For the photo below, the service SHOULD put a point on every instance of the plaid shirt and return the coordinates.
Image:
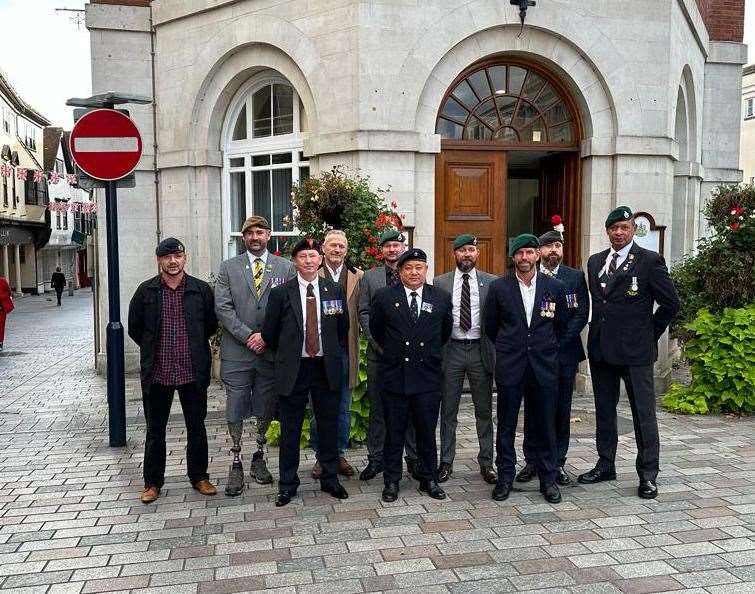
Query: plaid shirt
(173, 356)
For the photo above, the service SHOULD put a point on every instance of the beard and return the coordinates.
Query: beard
(552, 261)
(524, 266)
(465, 265)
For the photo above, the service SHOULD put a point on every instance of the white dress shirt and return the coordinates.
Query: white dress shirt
(528, 297)
(409, 298)
(303, 284)
(262, 257)
(623, 253)
(335, 274)
(474, 299)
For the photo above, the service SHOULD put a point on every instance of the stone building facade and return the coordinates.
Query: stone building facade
(476, 122)
(747, 153)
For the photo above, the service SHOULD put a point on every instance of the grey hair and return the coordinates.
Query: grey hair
(338, 232)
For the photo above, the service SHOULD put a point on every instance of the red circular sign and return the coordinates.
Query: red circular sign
(106, 144)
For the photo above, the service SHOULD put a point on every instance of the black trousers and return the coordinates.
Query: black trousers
(422, 411)
(640, 387)
(157, 403)
(311, 382)
(58, 293)
(566, 380)
(540, 400)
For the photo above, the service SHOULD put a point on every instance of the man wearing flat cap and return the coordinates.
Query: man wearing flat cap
(570, 354)
(386, 275)
(525, 315)
(626, 283)
(410, 322)
(306, 328)
(242, 289)
(172, 318)
(468, 353)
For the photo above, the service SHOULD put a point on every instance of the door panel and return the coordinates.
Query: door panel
(559, 194)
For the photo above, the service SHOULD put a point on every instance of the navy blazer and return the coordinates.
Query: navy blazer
(412, 353)
(571, 351)
(517, 344)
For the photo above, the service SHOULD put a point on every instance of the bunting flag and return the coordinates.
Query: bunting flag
(82, 207)
(36, 175)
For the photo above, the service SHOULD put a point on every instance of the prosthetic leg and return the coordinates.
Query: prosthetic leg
(235, 483)
(259, 471)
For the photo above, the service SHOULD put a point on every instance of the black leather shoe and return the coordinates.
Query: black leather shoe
(371, 471)
(284, 498)
(647, 490)
(501, 491)
(551, 493)
(432, 489)
(488, 474)
(411, 468)
(445, 471)
(336, 490)
(390, 492)
(562, 477)
(597, 476)
(526, 474)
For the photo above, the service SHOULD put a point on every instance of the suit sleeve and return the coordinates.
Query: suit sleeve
(665, 295)
(271, 326)
(210, 318)
(448, 319)
(343, 321)
(225, 309)
(490, 323)
(579, 319)
(376, 323)
(136, 317)
(365, 297)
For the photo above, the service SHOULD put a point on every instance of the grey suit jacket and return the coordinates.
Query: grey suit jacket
(446, 282)
(238, 309)
(372, 281)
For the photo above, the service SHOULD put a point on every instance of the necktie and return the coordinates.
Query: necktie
(392, 277)
(612, 264)
(311, 337)
(414, 308)
(465, 307)
(258, 275)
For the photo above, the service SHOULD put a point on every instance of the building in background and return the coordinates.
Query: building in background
(747, 153)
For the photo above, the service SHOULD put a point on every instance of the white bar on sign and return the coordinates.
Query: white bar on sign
(104, 144)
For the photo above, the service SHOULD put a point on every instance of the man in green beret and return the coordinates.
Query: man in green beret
(626, 282)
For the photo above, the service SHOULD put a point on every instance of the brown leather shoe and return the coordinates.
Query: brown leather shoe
(150, 494)
(205, 487)
(317, 471)
(488, 474)
(344, 468)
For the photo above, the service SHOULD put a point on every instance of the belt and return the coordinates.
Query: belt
(466, 340)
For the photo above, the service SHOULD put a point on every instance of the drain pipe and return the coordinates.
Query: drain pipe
(158, 225)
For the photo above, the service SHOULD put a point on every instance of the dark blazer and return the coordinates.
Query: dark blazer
(571, 351)
(283, 332)
(58, 280)
(199, 312)
(624, 330)
(411, 357)
(517, 344)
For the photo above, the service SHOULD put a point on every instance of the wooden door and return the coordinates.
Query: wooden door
(559, 194)
(470, 197)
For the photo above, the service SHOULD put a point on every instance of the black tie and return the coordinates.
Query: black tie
(612, 264)
(414, 308)
(465, 307)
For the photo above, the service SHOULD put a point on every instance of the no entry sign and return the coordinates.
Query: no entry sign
(106, 144)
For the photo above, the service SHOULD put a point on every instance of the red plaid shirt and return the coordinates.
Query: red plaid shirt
(173, 356)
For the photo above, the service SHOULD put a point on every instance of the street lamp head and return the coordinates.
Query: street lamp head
(109, 100)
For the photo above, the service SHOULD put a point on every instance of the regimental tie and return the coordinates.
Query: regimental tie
(258, 267)
(612, 264)
(312, 336)
(414, 308)
(465, 307)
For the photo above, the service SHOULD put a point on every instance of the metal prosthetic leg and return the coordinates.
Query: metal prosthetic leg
(259, 471)
(235, 483)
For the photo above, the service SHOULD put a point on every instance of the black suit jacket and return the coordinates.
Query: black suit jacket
(283, 332)
(412, 353)
(624, 330)
(571, 351)
(517, 344)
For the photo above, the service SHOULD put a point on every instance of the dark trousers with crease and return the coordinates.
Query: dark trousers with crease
(310, 382)
(157, 403)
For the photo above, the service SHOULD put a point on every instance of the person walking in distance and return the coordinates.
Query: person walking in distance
(6, 306)
(58, 282)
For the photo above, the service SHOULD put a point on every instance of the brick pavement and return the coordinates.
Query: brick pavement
(71, 520)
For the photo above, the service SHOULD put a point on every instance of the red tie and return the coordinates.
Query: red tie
(312, 336)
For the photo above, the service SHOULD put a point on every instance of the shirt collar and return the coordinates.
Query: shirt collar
(553, 272)
(181, 285)
(262, 257)
(334, 271)
(521, 284)
(472, 274)
(417, 290)
(304, 283)
(623, 251)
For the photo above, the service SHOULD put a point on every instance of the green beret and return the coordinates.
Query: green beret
(620, 213)
(464, 239)
(525, 240)
(391, 235)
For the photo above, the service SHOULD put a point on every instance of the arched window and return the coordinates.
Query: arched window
(506, 103)
(263, 157)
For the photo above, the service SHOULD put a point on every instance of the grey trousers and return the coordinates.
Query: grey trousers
(466, 359)
(376, 427)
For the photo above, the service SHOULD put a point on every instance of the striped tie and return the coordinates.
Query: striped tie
(465, 306)
(258, 275)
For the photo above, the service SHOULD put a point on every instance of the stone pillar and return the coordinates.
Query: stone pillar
(18, 269)
(6, 269)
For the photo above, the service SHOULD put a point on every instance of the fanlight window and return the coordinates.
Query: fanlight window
(508, 104)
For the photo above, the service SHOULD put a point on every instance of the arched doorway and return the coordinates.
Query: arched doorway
(509, 160)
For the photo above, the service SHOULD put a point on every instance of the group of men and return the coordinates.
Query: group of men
(290, 337)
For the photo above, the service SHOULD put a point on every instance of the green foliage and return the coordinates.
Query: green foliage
(721, 352)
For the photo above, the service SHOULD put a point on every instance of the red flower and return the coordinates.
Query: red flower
(734, 226)
(737, 210)
(556, 220)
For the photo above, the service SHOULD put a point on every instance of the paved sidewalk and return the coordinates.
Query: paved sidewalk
(71, 520)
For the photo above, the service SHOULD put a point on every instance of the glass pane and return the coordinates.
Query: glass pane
(506, 134)
(516, 78)
(524, 115)
(563, 133)
(260, 160)
(480, 84)
(282, 158)
(261, 193)
(239, 129)
(237, 162)
(281, 198)
(506, 106)
(283, 109)
(557, 114)
(532, 85)
(238, 200)
(476, 130)
(448, 129)
(261, 111)
(547, 96)
(463, 93)
(302, 157)
(488, 113)
(303, 174)
(498, 78)
(453, 109)
(534, 132)
(240, 247)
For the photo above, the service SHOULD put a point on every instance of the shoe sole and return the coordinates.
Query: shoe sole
(499, 498)
(610, 477)
(647, 496)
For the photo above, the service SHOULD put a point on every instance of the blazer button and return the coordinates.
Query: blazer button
(421, 344)
(407, 343)
(406, 358)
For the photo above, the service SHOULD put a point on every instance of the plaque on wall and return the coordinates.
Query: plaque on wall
(649, 235)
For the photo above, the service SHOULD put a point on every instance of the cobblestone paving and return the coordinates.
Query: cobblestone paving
(71, 520)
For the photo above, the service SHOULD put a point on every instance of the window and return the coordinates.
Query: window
(5, 192)
(35, 193)
(750, 108)
(7, 115)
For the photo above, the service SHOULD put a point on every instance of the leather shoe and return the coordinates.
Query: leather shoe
(551, 493)
(390, 492)
(488, 474)
(445, 470)
(371, 471)
(501, 491)
(597, 476)
(336, 490)
(526, 474)
(317, 471)
(432, 489)
(344, 468)
(205, 487)
(562, 477)
(150, 494)
(284, 498)
(647, 490)
(411, 468)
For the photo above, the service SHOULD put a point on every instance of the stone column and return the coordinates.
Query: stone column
(6, 269)
(18, 269)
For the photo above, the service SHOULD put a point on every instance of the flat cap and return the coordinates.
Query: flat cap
(412, 254)
(255, 221)
(391, 235)
(550, 237)
(620, 213)
(169, 245)
(525, 240)
(464, 239)
(306, 243)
